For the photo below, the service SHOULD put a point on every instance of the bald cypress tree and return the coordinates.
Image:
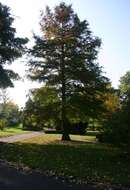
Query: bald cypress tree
(64, 56)
(11, 47)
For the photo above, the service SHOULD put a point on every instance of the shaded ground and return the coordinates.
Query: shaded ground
(82, 160)
(16, 138)
(14, 179)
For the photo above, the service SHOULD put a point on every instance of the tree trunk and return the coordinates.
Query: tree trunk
(65, 135)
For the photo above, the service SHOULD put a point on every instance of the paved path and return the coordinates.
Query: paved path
(16, 138)
(16, 179)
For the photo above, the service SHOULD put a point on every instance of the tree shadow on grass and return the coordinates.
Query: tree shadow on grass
(86, 160)
(72, 142)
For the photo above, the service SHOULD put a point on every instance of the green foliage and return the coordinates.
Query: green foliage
(12, 114)
(111, 104)
(116, 130)
(125, 85)
(29, 118)
(9, 114)
(42, 109)
(117, 127)
(11, 47)
(3, 124)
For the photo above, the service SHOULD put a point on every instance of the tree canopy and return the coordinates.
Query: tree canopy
(9, 112)
(42, 109)
(125, 85)
(11, 47)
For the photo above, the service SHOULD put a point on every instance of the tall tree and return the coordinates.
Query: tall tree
(11, 47)
(64, 56)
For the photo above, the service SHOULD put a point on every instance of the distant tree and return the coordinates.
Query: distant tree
(111, 102)
(64, 57)
(12, 114)
(11, 47)
(42, 108)
(125, 86)
(4, 99)
(9, 112)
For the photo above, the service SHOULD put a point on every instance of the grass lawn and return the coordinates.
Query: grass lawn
(83, 158)
(15, 130)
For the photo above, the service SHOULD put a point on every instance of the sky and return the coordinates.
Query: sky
(108, 19)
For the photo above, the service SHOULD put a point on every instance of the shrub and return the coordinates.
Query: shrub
(29, 124)
(3, 124)
(77, 128)
(116, 130)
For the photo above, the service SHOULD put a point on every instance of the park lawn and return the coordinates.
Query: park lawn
(83, 159)
(15, 130)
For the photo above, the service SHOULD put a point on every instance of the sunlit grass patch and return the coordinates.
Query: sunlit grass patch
(12, 131)
(56, 139)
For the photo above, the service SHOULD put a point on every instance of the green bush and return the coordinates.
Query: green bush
(116, 130)
(31, 122)
(3, 124)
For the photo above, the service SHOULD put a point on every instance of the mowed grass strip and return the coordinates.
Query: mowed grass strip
(83, 158)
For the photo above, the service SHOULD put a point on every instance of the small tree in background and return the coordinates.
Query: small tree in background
(9, 112)
(64, 57)
(42, 109)
(125, 87)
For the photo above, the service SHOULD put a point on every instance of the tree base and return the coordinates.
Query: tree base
(65, 137)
